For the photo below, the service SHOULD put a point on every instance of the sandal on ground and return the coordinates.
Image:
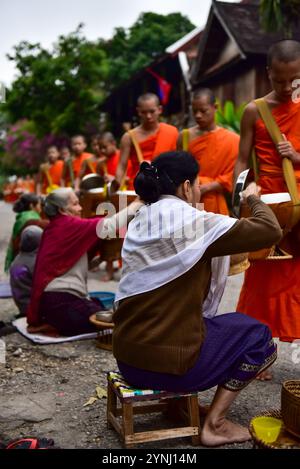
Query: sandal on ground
(31, 443)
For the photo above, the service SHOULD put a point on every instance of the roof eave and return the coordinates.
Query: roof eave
(218, 71)
(203, 41)
(227, 29)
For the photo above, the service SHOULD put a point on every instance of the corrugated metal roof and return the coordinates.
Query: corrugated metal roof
(176, 46)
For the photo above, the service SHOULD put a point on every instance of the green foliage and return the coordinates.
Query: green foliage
(279, 15)
(229, 116)
(61, 90)
(129, 51)
(58, 90)
(2, 182)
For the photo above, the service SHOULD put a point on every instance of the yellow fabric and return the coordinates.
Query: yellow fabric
(136, 146)
(45, 168)
(185, 139)
(51, 187)
(91, 167)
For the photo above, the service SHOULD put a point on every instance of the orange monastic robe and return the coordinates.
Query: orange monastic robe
(165, 139)
(8, 192)
(216, 153)
(76, 165)
(91, 166)
(271, 289)
(112, 163)
(55, 172)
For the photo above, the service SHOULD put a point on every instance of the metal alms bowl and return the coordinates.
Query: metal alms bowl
(92, 182)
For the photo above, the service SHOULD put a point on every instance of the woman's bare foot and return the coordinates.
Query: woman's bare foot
(109, 272)
(265, 376)
(203, 410)
(43, 329)
(107, 277)
(223, 432)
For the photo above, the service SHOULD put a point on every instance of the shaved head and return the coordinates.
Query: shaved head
(108, 137)
(205, 92)
(75, 137)
(284, 51)
(147, 97)
(95, 137)
(52, 147)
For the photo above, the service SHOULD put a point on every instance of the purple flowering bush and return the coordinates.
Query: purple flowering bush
(23, 150)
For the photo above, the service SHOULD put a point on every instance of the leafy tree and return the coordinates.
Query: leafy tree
(280, 15)
(130, 50)
(59, 90)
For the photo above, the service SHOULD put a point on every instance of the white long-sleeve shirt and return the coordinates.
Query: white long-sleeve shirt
(74, 281)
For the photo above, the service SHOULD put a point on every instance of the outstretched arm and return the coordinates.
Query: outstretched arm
(111, 225)
(261, 230)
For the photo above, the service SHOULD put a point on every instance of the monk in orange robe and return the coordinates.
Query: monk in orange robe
(29, 183)
(64, 153)
(215, 149)
(152, 137)
(271, 289)
(73, 165)
(92, 165)
(108, 147)
(50, 173)
(8, 191)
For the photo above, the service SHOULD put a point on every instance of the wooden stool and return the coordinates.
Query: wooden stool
(119, 391)
(104, 336)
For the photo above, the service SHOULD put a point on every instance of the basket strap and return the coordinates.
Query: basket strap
(287, 166)
(185, 139)
(89, 163)
(137, 148)
(45, 169)
(71, 172)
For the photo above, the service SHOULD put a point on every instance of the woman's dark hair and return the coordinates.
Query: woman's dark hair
(24, 202)
(164, 175)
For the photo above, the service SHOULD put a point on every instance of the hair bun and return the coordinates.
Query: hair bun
(50, 209)
(144, 166)
(146, 183)
(25, 201)
(149, 170)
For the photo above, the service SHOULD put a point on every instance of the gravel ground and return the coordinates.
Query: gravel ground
(43, 389)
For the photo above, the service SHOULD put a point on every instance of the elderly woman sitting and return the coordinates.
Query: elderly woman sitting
(59, 294)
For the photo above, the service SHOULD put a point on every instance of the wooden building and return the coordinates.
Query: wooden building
(232, 51)
(228, 56)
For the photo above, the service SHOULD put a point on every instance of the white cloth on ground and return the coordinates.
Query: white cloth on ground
(43, 339)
